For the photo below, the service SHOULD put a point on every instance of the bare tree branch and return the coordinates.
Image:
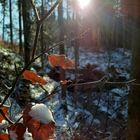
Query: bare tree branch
(104, 81)
(122, 83)
(50, 11)
(40, 22)
(35, 10)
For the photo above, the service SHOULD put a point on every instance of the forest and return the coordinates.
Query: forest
(69, 70)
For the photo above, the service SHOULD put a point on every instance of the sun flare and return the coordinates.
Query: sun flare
(83, 3)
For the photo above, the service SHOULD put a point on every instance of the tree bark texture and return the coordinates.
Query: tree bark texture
(4, 13)
(134, 97)
(11, 22)
(133, 132)
(20, 27)
(26, 9)
(61, 26)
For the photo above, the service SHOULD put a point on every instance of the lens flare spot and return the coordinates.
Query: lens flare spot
(83, 3)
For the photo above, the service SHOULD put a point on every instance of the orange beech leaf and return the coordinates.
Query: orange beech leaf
(45, 132)
(68, 64)
(4, 137)
(26, 116)
(39, 121)
(17, 131)
(56, 60)
(40, 131)
(60, 61)
(5, 111)
(33, 77)
(33, 127)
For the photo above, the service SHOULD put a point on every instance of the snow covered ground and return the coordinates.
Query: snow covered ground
(96, 113)
(104, 106)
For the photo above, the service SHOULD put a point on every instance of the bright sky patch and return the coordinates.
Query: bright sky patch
(83, 3)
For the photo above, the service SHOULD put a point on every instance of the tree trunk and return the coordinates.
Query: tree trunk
(42, 35)
(68, 14)
(133, 132)
(11, 22)
(20, 27)
(61, 25)
(62, 51)
(3, 28)
(26, 11)
(61, 35)
(134, 97)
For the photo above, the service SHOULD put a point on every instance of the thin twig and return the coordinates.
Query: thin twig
(51, 94)
(135, 84)
(6, 86)
(50, 11)
(40, 22)
(89, 83)
(35, 10)
(16, 71)
(125, 82)
(102, 80)
(43, 88)
(19, 119)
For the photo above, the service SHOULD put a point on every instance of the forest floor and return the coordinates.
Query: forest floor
(91, 111)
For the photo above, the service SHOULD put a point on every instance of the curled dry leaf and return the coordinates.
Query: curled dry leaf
(68, 64)
(33, 127)
(4, 137)
(39, 121)
(16, 131)
(56, 60)
(33, 77)
(46, 132)
(5, 111)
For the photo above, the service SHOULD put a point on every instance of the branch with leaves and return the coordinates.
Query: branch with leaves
(33, 60)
